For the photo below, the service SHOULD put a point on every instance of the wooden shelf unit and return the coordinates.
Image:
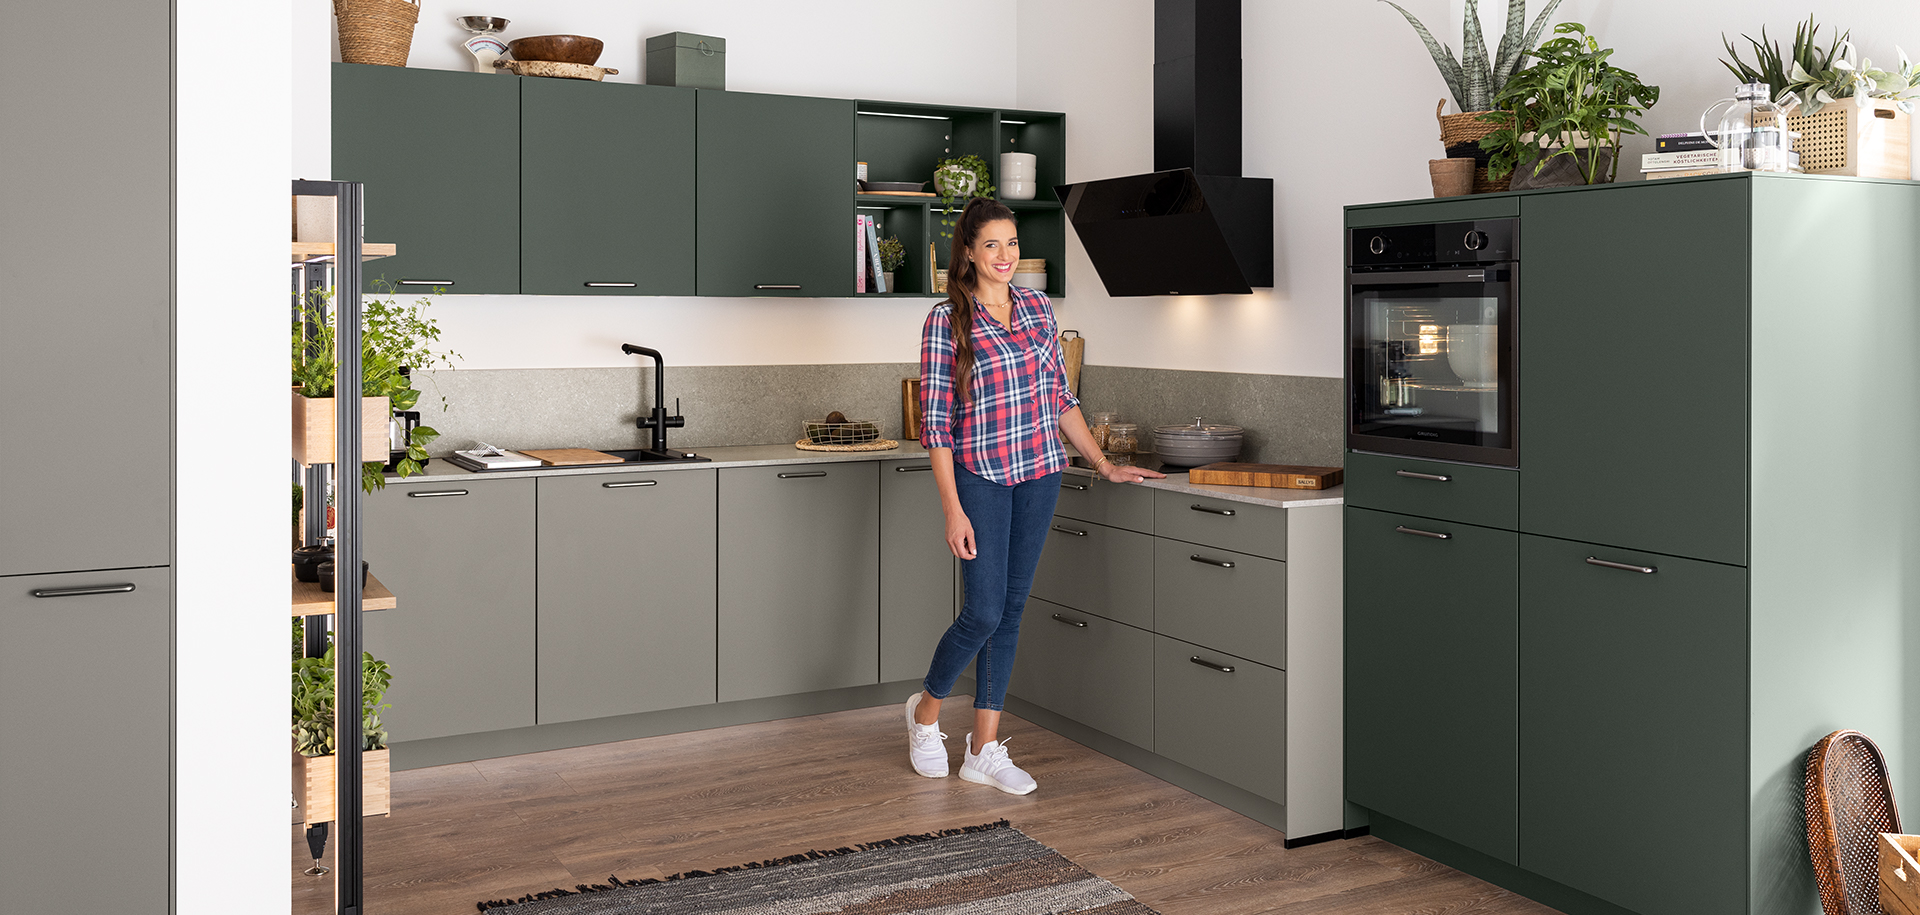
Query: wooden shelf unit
(304, 251)
(309, 600)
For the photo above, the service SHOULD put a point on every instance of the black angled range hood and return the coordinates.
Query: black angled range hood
(1193, 226)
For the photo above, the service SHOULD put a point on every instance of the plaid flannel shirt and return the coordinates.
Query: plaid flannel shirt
(1010, 432)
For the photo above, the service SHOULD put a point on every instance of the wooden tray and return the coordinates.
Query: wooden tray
(571, 457)
(1271, 476)
(1899, 874)
(309, 600)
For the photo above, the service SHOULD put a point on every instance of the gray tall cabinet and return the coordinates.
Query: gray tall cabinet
(85, 547)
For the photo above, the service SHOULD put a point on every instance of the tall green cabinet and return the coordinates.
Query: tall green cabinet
(1600, 693)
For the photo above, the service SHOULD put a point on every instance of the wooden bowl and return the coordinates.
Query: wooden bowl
(566, 49)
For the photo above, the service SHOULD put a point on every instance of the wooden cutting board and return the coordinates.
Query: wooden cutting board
(568, 457)
(1271, 476)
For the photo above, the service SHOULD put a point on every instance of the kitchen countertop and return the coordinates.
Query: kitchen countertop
(442, 471)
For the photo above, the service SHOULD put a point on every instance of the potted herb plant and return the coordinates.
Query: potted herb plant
(313, 736)
(893, 256)
(394, 340)
(1564, 115)
(959, 179)
(1476, 78)
(1868, 137)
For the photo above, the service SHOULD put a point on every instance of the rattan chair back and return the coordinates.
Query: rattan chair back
(1849, 803)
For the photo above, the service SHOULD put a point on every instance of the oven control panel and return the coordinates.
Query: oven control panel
(1430, 245)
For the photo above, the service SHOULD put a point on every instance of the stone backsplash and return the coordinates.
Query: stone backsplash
(1289, 419)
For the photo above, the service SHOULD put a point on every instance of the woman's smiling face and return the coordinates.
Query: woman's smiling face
(995, 251)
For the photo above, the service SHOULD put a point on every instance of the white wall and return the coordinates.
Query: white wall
(230, 538)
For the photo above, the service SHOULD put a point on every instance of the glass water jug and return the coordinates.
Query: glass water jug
(1752, 135)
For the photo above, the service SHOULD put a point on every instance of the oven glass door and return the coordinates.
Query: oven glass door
(1431, 368)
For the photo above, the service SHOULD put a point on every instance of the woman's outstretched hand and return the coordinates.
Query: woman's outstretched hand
(1116, 473)
(960, 535)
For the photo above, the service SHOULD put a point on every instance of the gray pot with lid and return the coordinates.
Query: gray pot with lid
(1196, 443)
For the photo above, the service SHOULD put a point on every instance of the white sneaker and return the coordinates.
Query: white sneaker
(992, 767)
(926, 748)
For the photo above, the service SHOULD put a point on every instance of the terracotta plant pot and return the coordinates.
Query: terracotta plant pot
(1451, 177)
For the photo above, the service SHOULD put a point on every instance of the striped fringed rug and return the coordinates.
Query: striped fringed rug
(979, 870)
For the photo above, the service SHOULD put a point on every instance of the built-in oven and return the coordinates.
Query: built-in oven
(1431, 317)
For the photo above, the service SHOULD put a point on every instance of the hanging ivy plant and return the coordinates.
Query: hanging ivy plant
(950, 179)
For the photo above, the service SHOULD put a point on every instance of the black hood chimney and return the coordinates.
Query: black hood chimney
(1193, 226)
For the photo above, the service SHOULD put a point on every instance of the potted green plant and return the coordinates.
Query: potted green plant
(1564, 115)
(959, 179)
(1868, 137)
(395, 339)
(893, 256)
(313, 735)
(1476, 78)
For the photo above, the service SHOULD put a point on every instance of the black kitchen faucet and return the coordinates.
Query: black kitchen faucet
(658, 421)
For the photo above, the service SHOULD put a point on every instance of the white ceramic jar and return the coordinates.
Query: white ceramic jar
(1018, 174)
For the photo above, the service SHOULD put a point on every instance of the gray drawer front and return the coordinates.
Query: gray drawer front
(1236, 526)
(1088, 668)
(1243, 607)
(1098, 569)
(1230, 725)
(1086, 498)
(1486, 496)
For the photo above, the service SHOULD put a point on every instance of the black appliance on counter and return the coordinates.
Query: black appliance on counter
(1431, 321)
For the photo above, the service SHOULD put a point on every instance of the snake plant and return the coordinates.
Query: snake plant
(1476, 78)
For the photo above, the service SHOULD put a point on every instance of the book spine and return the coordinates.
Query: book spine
(1682, 173)
(859, 254)
(1689, 159)
(873, 254)
(1682, 143)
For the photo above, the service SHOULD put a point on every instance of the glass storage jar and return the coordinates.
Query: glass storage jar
(1123, 439)
(1100, 423)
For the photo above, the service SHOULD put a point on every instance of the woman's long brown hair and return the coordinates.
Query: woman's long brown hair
(961, 274)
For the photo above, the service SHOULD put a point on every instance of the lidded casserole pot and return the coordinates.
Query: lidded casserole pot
(1197, 443)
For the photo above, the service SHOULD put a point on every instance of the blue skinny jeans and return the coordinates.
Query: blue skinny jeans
(1009, 528)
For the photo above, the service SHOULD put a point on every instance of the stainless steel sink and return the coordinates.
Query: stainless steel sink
(650, 456)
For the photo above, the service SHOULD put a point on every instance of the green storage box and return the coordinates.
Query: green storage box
(686, 59)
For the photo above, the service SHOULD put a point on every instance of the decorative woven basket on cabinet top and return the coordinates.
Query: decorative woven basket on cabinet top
(376, 31)
(1843, 138)
(1467, 129)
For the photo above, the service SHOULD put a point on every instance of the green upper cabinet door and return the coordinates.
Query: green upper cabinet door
(776, 195)
(606, 188)
(438, 184)
(1633, 378)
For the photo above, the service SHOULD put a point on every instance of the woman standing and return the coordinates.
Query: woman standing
(994, 399)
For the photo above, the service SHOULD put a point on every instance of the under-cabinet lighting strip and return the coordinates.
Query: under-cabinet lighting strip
(889, 114)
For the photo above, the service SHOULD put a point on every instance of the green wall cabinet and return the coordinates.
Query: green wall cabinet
(775, 179)
(606, 188)
(916, 570)
(1432, 697)
(799, 567)
(1713, 516)
(446, 193)
(626, 593)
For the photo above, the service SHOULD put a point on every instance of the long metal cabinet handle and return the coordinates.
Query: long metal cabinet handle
(1624, 567)
(630, 484)
(1224, 512)
(81, 591)
(436, 493)
(1078, 624)
(612, 285)
(1081, 487)
(913, 468)
(426, 282)
(1436, 477)
(1068, 530)
(797, 476)
(1223, 668)
(776, 285)
(1216, 563)
(1419, 533)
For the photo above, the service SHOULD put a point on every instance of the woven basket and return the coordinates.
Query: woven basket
(376, 31)
(1845, 139)
(1465, 129)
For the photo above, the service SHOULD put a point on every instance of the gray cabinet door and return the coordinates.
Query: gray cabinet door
(799, 578)
(86, 238)
(1087, 498)
(459, 558)
(775, 195)
(1221, 599)
(626, 593)
(1223, 715)
(916, 570)
(1237, 526)
(1432, 677)
(606, 188)
(1098, 569)
(1633, 727)
(1633, 411)
(84, 692)
(1087, 668)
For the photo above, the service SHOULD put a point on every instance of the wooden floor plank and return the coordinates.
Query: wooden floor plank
(503, 828)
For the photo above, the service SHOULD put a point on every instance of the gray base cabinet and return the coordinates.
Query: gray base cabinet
(1221, 714)
(84, 702)
(916, 569)
(799, 566)
(1087, 668)
(460, 556)
(1210, 596)
(1101, 569)
(626, 593)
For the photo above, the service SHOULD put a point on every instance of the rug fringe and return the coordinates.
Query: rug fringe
(614, 882)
